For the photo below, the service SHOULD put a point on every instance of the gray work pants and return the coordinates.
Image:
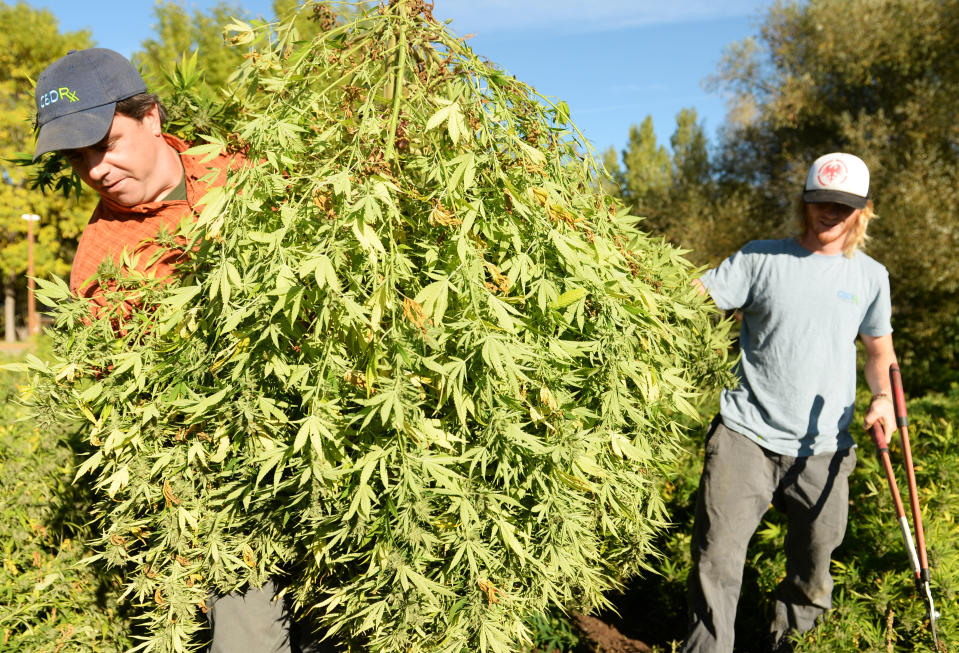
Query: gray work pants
(257, 621)
(740, 479)
(252, 621)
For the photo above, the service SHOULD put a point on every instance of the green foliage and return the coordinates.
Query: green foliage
(193, 106)
(181, 36)
(552, 632)
(178, 33)
(415, 363)
(690, 158)
(677, 194)
(197, 96)
(646, 168)
(49, 600)
(611, 182)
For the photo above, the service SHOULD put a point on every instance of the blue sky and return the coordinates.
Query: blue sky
(613, 61)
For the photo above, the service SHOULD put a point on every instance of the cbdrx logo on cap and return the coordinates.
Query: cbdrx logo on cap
(57, 94)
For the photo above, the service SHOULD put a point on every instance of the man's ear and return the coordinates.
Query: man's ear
(152, 120)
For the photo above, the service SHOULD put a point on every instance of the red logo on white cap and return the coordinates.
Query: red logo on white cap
(832, 172)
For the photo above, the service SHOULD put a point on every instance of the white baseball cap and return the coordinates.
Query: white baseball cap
(838, 177)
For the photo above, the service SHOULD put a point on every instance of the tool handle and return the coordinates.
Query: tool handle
(898, 396)
(921, 564)
(879, 438)
(902, 420)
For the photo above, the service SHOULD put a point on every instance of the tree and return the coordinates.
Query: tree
(178, 33)
(881, 83)
(676, 193)
(30, 39)
(647, 167)
(687, 207)
(613, 184)
(690, 156)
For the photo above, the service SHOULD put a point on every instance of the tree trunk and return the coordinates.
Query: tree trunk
(9, 309)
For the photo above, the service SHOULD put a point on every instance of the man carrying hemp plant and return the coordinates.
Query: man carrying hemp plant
(93, 108)
(783, 435)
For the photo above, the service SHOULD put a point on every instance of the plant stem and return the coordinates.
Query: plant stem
(398, 87)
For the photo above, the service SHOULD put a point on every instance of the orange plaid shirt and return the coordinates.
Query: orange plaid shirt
(114, 228)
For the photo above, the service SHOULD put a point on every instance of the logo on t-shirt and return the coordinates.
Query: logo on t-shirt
(848, 297)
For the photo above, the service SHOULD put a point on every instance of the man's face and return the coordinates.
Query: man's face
(121, 166)
(828, 223)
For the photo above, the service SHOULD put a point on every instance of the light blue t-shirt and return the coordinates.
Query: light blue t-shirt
(801, 314)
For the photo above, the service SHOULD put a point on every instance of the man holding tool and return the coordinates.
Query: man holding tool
(782, 436)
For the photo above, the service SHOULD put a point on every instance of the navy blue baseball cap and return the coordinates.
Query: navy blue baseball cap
(77, 95)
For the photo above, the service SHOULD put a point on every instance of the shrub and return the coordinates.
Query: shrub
(49, 600)
(415, 364)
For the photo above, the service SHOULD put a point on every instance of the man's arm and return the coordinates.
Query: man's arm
(879, 356)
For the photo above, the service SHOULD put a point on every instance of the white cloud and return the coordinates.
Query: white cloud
(488, 17)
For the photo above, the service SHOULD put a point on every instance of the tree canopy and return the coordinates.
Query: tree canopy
(30, 39)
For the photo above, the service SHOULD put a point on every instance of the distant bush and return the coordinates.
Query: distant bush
(49, 600)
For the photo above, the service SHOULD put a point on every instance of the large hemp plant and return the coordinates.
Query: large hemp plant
(416, 366)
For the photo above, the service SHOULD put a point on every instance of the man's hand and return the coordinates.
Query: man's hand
(879, 356)
(881, 410)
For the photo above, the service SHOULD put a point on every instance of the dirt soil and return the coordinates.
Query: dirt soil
(601, 637)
